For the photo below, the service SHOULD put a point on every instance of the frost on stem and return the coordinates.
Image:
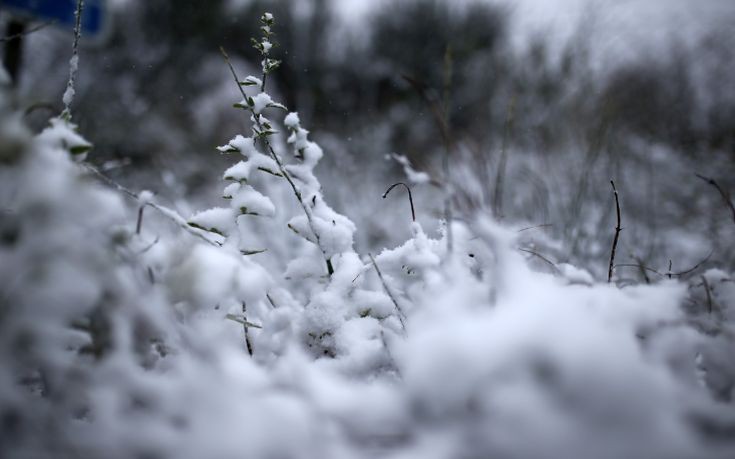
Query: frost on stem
(331, 232)
(68, 97)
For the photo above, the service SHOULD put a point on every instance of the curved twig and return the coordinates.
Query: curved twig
(410, 197)
(723, 193)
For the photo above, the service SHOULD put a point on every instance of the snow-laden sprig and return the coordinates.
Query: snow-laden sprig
(263, 129)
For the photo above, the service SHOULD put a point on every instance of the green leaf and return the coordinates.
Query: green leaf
(80, 149)
(277, 105)
(200, 227)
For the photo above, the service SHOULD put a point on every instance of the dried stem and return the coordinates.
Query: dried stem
(410, 197)
(723, 193)
(400, 314)
(281, 168)
(139, 224)
(543, 225)
(617, 234)
(642, 270)
(541, 257)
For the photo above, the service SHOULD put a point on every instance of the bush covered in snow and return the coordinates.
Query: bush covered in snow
(256, 330)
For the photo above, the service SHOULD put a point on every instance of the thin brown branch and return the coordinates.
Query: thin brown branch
(725, 195)
(617, 234)
(410, 197)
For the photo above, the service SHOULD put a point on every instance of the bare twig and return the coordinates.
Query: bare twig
(400, 314)
(725, 195)
(687, 271)
(410, 197)
(281, 168)
(139, 223)
(245, 329)
(617, 234)
(36, 28)
(642, 269)
(639, 266)
(670, 274)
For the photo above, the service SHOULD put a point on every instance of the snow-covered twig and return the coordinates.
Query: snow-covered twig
(165, 211)
(282, 170)
(73, 62)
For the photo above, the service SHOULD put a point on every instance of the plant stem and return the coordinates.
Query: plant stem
(400, 314)
(410, 197)
(74, 62)
(723, 193)
(617, 234)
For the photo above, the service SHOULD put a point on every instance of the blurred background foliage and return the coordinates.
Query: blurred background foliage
(156, 96)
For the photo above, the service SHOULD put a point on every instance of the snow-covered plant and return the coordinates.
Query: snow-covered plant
(326, 321)
(115, 346)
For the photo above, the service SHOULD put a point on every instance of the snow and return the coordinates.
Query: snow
(123, 352)
(261, 101)
(412, 174)
(145, 197)
(248, 201)
(68, 97)
(216, 219)
(292, 120)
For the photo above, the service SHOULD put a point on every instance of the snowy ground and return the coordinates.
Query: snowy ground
(256, 329)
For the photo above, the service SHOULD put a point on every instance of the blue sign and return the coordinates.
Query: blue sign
(62, 11)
